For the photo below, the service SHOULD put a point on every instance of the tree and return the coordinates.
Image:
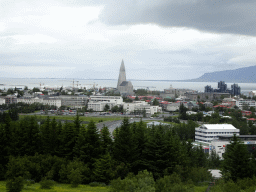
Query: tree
(155, 102)
(93, 148)
(106, 140)
(106, 108)
(183, 111)
(123, 149)
(114, 109)
(236, 163)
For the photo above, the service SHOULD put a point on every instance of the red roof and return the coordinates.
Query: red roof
(251, 119)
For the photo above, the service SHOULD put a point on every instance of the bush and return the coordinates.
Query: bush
(144, 181)
(97, 184)
(46, 184)
(15, 185)
(29, 182)
(75, 177)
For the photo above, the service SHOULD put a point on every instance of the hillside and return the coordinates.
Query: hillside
(241, 75)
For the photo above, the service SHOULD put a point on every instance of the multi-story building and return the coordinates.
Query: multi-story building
(73, 101)
(222, 88)
(252, 93)
(45, 101)
(2, 100)
(141, 106)
(229, 102)
(98, 103)
(241, 103)
(10, 99)
(220, 145)
(235, 89)
(209, 132)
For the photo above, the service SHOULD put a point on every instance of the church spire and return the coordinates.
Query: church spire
(122, 75)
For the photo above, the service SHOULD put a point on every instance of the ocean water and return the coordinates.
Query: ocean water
(88, 83)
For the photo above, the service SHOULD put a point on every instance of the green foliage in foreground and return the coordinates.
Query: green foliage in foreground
(57, 188)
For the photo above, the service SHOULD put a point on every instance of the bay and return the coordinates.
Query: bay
(6, 83)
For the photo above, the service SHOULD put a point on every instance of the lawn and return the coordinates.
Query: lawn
(58, 188)
(82, 118)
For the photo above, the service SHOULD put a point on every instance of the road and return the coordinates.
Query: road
(114, 124)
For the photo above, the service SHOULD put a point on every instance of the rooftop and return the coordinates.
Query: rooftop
(219, 126)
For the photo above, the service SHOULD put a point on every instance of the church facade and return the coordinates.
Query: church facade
(123, 86)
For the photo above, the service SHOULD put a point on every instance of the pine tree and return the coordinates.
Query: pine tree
(92, 144)
(236, 161)
(104, 169)
(139, 139)
(77, 124)
(106, 140)
(80, 145)
(123, 149)
(46, 137)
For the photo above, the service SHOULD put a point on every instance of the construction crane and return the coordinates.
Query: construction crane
(77, 83)
(93, 85)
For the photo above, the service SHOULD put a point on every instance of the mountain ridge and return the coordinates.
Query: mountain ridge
(240, 75)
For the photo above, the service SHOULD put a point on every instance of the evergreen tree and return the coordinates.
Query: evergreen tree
(104, 169)
(67, 141)
(123, 149)
(236, 161)
(80, 146)
(46, 137)
(106, 140)
(77, 124)
(139, 138)
(92, 144)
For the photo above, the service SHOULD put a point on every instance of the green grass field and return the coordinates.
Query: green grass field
(58, 188)
(80, 188)
(82, 118)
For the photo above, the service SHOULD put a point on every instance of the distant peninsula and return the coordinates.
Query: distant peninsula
(241, 75)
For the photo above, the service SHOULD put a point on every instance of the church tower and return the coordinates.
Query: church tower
(122, 75)
(124, 87)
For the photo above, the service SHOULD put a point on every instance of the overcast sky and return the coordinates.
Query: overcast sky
(163, 39)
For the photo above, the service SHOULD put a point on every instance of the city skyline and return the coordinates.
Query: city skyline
(158, 40)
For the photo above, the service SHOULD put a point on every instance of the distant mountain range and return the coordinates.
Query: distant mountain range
(241, 75)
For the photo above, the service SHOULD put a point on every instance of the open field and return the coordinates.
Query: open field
(82, 118)
(80, 188)
(58, 188)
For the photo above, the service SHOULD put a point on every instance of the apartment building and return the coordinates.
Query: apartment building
(245, 102)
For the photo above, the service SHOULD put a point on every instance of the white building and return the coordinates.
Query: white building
(220, 145)
(173, 107)
(98, 103)
(252, 93)
(48, 101)
(245, 102)
(2, 101)
(140, 106)
(210, 132)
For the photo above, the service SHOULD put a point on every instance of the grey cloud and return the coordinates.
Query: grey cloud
(220, 16)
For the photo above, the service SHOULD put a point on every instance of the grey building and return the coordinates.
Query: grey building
(73, 101)
(123, 86)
